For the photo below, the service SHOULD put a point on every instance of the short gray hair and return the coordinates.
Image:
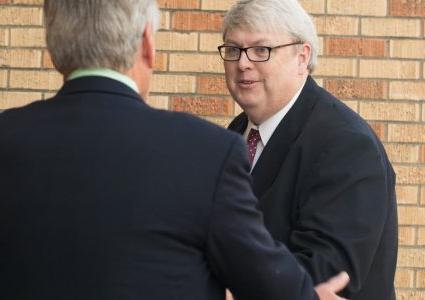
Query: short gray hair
(96, 33)
(274, 16)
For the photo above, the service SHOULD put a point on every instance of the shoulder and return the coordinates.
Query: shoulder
(14, 111)
(191, 126)
(18, 115)
(326, 113)
(194, 135)
(333, 116)
(333, 123)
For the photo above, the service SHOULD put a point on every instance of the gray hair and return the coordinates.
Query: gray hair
(274, 16)
(96, 33)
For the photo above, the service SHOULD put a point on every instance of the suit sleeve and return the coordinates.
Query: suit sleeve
(240, 250)
(342, 210)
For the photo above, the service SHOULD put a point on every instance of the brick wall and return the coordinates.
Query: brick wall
(372, 57)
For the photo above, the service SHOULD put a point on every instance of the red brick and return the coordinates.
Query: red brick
(206, 106)
(197, 21)
(356, 47)
(407, 8)
(5, 1)
(187, 4)
(161, 61)
(357, 89)
(212, 85)
(380, 130)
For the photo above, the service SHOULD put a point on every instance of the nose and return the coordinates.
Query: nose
(244, 62)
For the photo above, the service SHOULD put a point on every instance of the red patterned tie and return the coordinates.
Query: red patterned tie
(253, 139)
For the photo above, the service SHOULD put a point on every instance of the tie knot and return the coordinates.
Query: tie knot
(254, 136)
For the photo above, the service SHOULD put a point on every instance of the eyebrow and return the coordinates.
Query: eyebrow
(255, 43)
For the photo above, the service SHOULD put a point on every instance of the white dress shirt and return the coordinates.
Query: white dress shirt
(267, 128)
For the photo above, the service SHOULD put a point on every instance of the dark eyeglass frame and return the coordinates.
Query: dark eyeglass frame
(247, 48)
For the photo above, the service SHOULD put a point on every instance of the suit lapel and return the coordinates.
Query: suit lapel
(239, 123)
(276, 150)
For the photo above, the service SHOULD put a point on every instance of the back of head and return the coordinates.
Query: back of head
(284, 17)
(96, 33)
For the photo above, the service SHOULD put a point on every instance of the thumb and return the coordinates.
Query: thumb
(338, 282)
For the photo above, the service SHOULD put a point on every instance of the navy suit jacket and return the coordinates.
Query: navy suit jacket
(327, 190)
(103, 197)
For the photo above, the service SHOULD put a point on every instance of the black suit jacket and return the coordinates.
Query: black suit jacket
(105, 198)
(326, 189)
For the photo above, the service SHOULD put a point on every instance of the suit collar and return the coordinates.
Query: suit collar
(98, 84)
(104, 72)
(239, 123)
(274, 154)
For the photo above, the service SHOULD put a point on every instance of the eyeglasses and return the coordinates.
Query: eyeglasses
(255, 53)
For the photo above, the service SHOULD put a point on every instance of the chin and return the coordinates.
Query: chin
(244, 99)
(246, 103)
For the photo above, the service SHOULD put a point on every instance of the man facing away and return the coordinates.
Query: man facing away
(105, 198)
(322, 177)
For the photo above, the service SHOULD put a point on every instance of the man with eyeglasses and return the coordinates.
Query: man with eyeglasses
(105, 198)
(323, 179)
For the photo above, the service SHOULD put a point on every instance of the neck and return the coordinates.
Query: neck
(141, 78)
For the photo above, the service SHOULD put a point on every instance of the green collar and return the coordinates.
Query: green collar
(104, 73)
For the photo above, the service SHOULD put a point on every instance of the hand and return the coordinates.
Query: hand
(229, 295)
(327, 290)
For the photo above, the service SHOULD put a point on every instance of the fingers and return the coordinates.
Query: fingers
(328, 290)
(338, 282)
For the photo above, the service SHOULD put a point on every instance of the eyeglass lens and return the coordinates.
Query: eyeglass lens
(253, 53)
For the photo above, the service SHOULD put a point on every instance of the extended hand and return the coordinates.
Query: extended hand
(327, 290)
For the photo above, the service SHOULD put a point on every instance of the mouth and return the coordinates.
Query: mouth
(247, 83)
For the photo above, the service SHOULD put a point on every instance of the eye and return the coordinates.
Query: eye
(231, 51)
(260, 51)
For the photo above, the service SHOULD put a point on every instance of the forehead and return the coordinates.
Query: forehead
(247, 37)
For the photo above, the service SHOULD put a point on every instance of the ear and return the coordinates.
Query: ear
(304, 56)
(148, 46)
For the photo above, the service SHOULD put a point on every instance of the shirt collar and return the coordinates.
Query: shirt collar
(104, 73)
(268, 127)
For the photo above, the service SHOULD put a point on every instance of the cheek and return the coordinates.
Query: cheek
(229, 71)
(229, 81)
(229, 76)
(276, 75)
